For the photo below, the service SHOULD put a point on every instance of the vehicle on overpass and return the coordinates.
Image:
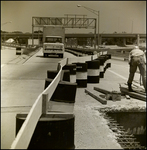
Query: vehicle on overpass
(53, 40)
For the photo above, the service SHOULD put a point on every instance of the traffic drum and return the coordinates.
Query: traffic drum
(105, 61)
(102, 60)
(81, 74)
(53, 131)
(93, 71)
(109, 60)
(52, 74)
(72, 70)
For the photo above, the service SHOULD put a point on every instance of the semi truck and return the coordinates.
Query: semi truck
(53, 40)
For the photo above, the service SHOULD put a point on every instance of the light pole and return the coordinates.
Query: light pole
(38, 36)
(98, 16)
(4, 35)
(132, 27)
(6, 22)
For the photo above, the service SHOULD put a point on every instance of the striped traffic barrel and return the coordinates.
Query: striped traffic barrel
(64, 92)
(66, 75)
(81, 74)
(72, 70)
(52, 74)
(47, 82)
(53, 131)
(93, 71)
(102, 61)
(109, 60)
(18, 51)
(105, 61)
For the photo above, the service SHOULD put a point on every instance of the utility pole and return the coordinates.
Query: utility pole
(5, 35)
(98, 16)
(132, 27)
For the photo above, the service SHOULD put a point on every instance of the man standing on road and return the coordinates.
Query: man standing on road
(137, 58)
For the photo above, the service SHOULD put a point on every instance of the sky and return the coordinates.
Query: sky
(115, 16)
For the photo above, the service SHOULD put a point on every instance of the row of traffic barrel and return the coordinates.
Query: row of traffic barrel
(79, 50)
(73, 75)
(87, 72)
(56, 130)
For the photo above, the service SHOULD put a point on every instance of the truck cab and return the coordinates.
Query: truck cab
(53, 40)
(53, 45)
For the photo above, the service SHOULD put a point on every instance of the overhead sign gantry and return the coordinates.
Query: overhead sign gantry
(69, 21)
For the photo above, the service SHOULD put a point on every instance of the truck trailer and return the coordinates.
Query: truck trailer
(53, 40)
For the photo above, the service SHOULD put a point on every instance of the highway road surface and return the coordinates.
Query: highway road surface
(22, 80)
(21, 83)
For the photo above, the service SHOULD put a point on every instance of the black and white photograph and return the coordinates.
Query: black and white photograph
(73, 75)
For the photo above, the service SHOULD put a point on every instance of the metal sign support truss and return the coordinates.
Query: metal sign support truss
(69, 21)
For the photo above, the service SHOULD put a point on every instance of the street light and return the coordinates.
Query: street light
(132, 27)
(6, 22)
(4, 35)
(96, 13)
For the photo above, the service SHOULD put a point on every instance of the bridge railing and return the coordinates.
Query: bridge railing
(10, 44)
(39, 107)
(13, 45)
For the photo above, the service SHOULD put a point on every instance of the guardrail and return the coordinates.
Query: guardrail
(40, 106)
(12, 45)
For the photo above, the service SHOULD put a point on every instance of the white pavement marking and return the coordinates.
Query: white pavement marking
(121, 65)
(118, 74)
(137, 84)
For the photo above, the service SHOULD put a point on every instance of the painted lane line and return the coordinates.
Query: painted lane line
(137, 71)
(118, 74)
(121, 65)
(137, 84)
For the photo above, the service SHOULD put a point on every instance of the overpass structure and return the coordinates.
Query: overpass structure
(74, 39)
(123, 37)
(75, 35)
(78, 38)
